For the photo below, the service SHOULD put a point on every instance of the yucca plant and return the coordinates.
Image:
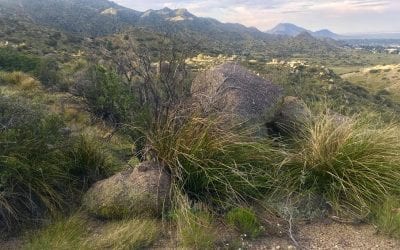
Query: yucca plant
(352, 163)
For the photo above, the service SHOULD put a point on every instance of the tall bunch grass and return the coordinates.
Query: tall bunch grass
(354, 164)
(213, 162)
(42, 170)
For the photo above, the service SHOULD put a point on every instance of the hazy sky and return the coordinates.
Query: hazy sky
(341, 16)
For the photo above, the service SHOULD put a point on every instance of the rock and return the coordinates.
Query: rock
(142, 191)
(293, 115)
(231, 89)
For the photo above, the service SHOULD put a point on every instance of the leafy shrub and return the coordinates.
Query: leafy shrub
(106, 95)
(245, 221)
(48, 73)
(12, 60)
(352, 163)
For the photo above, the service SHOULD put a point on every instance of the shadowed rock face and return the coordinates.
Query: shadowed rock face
(293, 116)
(231, 89)
(142, 191)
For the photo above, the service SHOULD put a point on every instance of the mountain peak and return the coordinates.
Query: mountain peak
(168, 14)
(288, 29)
(293, 30)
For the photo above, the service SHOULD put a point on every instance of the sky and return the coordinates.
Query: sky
(340, 16)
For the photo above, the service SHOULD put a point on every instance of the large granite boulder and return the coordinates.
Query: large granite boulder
(231, 89)
(142, 191)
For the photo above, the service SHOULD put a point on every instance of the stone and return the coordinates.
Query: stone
(230, 89)
(141, 191)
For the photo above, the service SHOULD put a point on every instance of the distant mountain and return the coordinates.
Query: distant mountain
(99, 18)
(326, 34)
(288, 29)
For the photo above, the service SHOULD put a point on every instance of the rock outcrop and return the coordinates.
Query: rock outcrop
(231, 89)
(142, 191)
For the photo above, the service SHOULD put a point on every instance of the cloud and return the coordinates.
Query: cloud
(342, 15)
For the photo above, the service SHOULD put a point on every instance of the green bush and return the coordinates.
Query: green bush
(353, 164)
(13, 60)
(245, 221)
(106, 95)
(48, 73)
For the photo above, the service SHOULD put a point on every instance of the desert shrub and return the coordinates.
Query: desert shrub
(212, 163)
(387, 217)
(19, 79)
(245, 221)
(13, 60)
(106, 95)
(48, 73)
(374, 71)
(42, 170)
(352, 163)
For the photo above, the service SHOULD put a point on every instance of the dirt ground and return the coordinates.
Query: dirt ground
(331, 235)
(321, 235)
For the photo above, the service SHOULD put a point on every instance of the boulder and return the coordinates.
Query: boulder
(141, 191)
(231, 89)
(293, 115)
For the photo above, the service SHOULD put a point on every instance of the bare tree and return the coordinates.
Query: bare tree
(159, 77)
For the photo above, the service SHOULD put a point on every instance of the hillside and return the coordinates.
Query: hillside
(92, 18)
(123, 129)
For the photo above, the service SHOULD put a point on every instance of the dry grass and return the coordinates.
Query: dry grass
(21, 80)
(126, 234)
(352, 163)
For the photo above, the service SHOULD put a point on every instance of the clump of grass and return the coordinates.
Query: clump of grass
(387, 217)
(74, 233)
(19, 79)
(126, 234)
(195, 227)
(64, 234)
(212, 163)
(245, 221)
(42, 170)
(353, 164)
(90, 161)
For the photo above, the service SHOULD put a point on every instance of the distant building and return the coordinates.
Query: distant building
(392, 51)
